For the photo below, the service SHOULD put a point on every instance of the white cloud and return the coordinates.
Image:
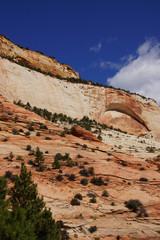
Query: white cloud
(96, 48)
(110, 65)
(141, 74)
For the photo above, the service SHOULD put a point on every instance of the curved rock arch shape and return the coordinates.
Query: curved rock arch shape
(123, 109)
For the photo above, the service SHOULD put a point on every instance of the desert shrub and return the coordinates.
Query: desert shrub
(91, 171)
(70, 162)
(81, 166)
(5, 140)
(28, 148)
(142, 169)
(143, 179)
(48, 138)
(59, 177)
(71, 177)
(99, 137)
(84, 181)
(30, 162)
(78, 196)
(93, 200)
(124, 164)
(11, 156)
(8, 174)
(92, 229)
(58, 156)
(133, 204)
(84, 173)
(105, 194)
(97, 181)
(15, 131)
(38, 134)
(142, 213)
(19, 158)
(27, 134)
(84, 146)
(21, 130)
(85, 163)
(31, 128)
(75, 202)
(150, 149)
(79, 156)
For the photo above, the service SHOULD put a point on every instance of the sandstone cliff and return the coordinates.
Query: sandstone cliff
(35, 59)
(116, 108)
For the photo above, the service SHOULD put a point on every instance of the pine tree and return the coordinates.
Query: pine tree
(13, 224)
(56, 164)
(39, 160)
(24, 195)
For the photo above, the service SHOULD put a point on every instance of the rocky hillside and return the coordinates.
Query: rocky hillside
(34, 60)
(104, 176)
(117, 108)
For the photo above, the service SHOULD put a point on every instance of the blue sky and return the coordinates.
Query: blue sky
(98, 38)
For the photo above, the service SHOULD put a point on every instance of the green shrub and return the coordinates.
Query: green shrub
(78, 196)
(133, 204)
(97, 181)
(93, 200)
(84, 181)
(75, 202)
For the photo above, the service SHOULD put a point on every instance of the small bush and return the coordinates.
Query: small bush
(84, 146)
(78, 196)
(124, 164)
(93, 200)
(105, 194)
(38, 134)
(75, 202)
(48, 138)
(84, 173)
(59, 177)
(30, 162)
(27, 134)
(150, 149)
(19, 158)
(142, 169)
(142, 213)
(79, 156)
(8, 174)
(84, 181)
(133, 204)
(31, 128)
(91, 171)
(97, 181)
(92, 229)
(28, 148)
(71, 177)
(143, 179)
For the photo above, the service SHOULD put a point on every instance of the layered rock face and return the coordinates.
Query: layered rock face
(35, 59)
(116, 108)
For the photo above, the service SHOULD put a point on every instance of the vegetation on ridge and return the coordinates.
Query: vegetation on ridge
(85, 122)
(72, 79)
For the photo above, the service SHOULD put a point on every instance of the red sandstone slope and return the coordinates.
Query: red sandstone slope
(109, 214)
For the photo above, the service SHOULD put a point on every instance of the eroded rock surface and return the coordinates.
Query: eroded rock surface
(119, 169)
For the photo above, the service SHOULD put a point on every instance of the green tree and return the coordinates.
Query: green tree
(24, 195)
(13, 224)
(39, 159)
(56, 164)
